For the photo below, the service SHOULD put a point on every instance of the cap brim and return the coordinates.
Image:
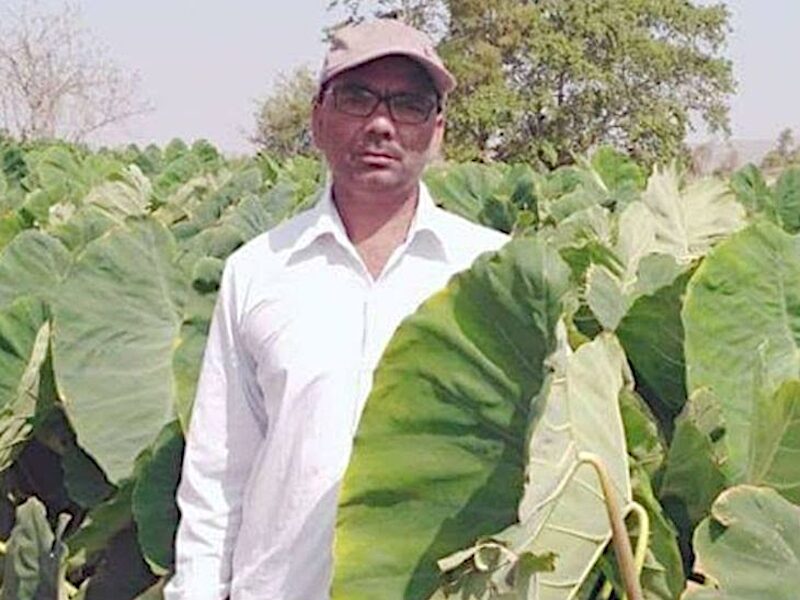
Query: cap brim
(442, 79)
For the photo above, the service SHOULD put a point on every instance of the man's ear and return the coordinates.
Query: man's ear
(438, 135)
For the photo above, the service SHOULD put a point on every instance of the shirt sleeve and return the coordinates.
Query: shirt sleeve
(224, 435)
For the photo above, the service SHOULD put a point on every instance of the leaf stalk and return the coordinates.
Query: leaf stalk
(619, 533)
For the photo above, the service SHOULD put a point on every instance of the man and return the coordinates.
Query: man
(303, 314)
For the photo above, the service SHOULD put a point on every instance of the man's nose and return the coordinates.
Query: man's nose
(380, 122)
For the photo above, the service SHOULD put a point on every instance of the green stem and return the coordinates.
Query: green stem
(619, 534)
(640, 554)
(644, 533)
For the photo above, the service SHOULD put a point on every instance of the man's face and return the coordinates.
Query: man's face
(378, 152)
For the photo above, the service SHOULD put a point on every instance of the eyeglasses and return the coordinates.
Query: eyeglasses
(404, 107)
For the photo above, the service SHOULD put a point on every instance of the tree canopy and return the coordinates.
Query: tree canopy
(785, 153)
(541, 81)
(283, 127)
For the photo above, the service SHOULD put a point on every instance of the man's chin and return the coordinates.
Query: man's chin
(379, 180)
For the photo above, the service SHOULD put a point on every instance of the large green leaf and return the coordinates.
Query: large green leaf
(562, 510)
(639, 269)
(188, 358)
(255, 215)
(34, 565)
(584, 239)
(24, 342)
(606, 296)
(10, 226)
(62, 175)
(645, 446)
(116, 324)
(742, 327)
(488, 194)
(125, 194)
(57, 168)
(86, 224)
(787, 199)
(753, 192)
(592, 224)
(775, 441)
(203, 214)
(579, 199)
(570, 190)
(23, 345)
(464, 188)
(618, 171)
(636, 236)
(252, 216)
(449, 410)
(12, 162)
(691, 220)
(749, 548)
(180, 170)
(121, 573)
(32, 264)
(154, 507)
(85, 481)
(652, 334)
(179, 205)
(693, 474)
(101, 525)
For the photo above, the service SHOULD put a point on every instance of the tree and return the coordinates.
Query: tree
(283, 122)
(427, 15)
(543, 81)
(785, 152)
(55, 78)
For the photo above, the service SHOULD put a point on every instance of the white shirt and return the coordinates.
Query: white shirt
(298, 329)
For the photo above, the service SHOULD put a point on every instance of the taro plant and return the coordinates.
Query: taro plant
(106, 290)
(678, 367)
(644, 326)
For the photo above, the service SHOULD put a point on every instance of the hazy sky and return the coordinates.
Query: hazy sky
(204, 64)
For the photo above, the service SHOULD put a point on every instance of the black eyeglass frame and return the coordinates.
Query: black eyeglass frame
(386, 99)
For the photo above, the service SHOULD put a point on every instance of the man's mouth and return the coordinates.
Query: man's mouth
(378, 158)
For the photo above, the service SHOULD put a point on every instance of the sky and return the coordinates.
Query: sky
(204, 64)
(765, 48)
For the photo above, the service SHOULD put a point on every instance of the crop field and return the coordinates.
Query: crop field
(643, 322)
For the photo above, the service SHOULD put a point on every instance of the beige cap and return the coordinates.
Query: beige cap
(355, 45)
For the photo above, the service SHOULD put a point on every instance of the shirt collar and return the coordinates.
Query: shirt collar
(427, 227)
(323, 221)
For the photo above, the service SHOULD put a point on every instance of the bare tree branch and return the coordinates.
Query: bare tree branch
(56, 79)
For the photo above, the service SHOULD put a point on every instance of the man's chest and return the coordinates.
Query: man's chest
(315, 340)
